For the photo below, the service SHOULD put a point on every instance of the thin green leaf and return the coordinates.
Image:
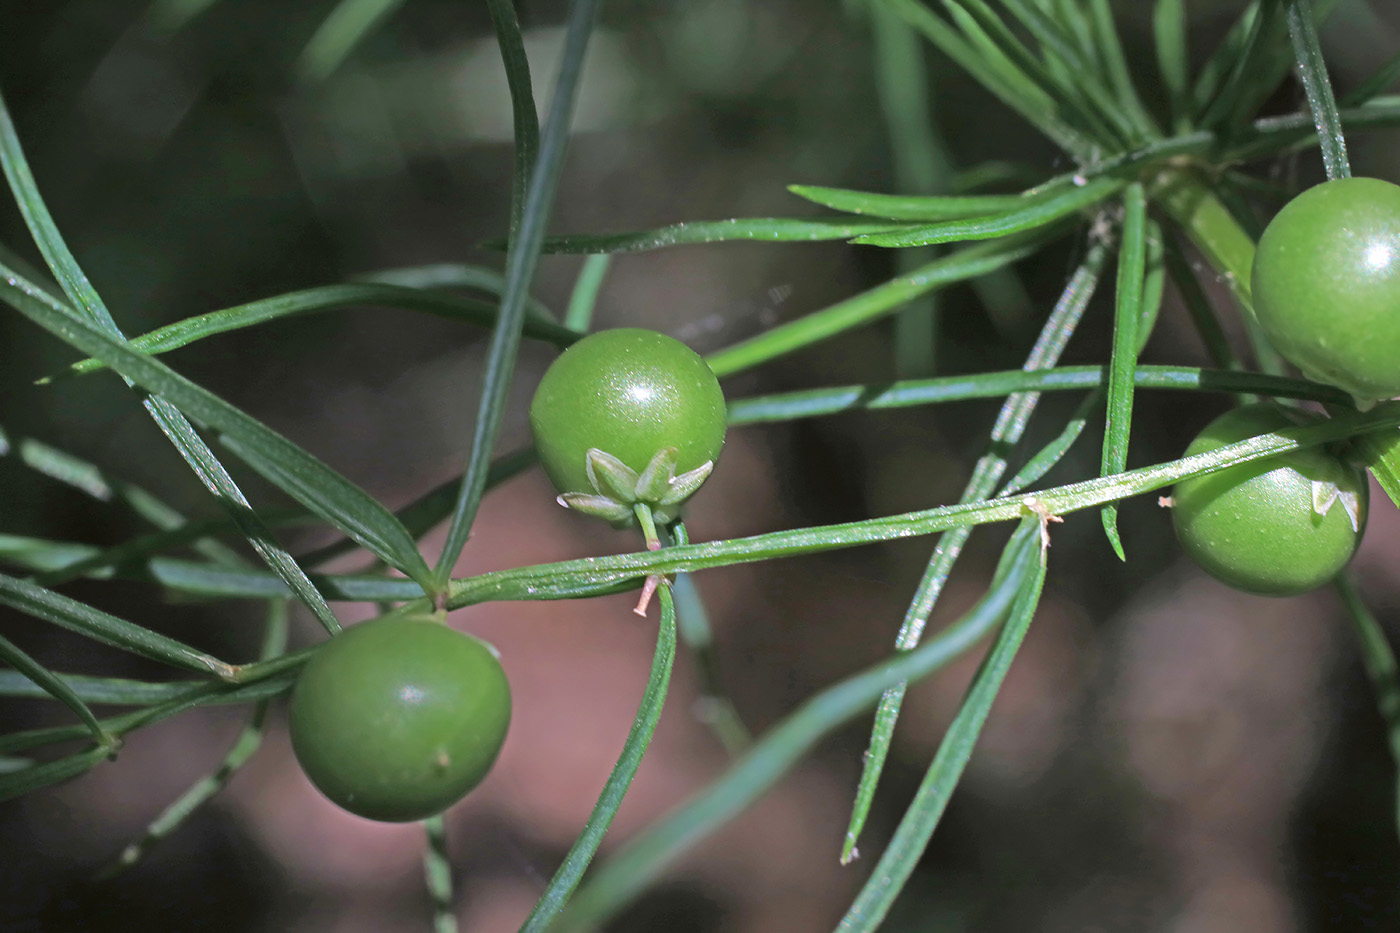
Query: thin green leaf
(35, 777)
(916, 325)
(304, 477)
(1003, 53)
(249, 740)
(343, 29)
(1190, 202)
(1120, 79)
(58, 465)
(423, 514)
(1169, 33)
(102, 486)
(1154, 280)
(924, 813)
(1258, 71)
(1080, 68)
(1022, 96)
(24, 267)
(52, 684)
(1079, 29)
(570, 873)
(584, 298)
(198, 455)
(100, 626)
(967, 263)
(993, 173)
(1006, 433)
(1228, 55)
(42, 555)
(920, 165)
(1201, 311)
(1381, 669)
(628, 873)
(714, 707)
(1126, 320)
(271, 684)
(909, 207)
(1204, 213)
(1052, 35)
(203, 580)
(762, 229)
(328, 298)
(1312, 71)
(1005, 300)
(918, 157)
(525, 121)
(111, 691)
(521, 260)
(1087, 105)
(1276, 191)
(1040, 212)
(1222, 83)
(194, 578)
(57, 561)
(814, 403)
(1125, 165)
(1384, 77)
(1052, 453)
(1272, 136)
(442, 275)
(135, 550)
(1381, 451)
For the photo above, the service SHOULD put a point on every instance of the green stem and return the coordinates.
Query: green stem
(648, 525)
(1210, 226)
(566, 879)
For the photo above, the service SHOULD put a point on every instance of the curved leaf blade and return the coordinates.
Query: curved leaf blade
(328, 298)
(1039, 212)
(908, 207)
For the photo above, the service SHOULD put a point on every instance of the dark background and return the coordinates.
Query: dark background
(1167, 755)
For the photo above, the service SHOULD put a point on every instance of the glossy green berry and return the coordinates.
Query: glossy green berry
(1326, 284)
(1277, 527)
(397, 718)
(627, 416)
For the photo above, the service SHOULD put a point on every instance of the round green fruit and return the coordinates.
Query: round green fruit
(1277, 527)
(397, 718)
(628, 416)
(1326, 284)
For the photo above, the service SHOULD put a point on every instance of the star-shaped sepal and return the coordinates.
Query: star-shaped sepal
(617, 488)
(1327, 494)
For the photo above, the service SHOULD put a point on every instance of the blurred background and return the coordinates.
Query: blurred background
(1167, 755)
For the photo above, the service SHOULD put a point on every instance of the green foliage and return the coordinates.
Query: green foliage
(1149, 185)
